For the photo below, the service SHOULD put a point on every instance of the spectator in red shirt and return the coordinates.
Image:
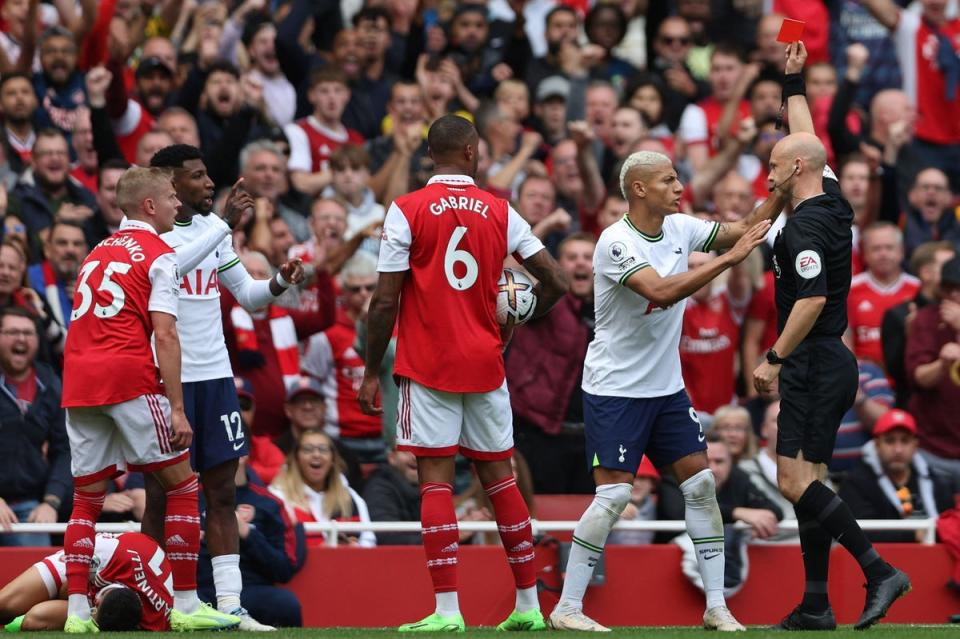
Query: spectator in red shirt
(263, 347)
(928, 47)
(709, 342)
(331, 359)
(881, 287)
(926, 262)
(760, 329)
(700, 127)
(933, 365)
(314, 139)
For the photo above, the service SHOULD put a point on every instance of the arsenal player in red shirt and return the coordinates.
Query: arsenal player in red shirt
(118, 415)
(443, 248)
(131, 587)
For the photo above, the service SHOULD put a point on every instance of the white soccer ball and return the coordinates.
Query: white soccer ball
(516, 300)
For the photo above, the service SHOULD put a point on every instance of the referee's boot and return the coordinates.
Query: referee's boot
(881, 593)
(800, 619)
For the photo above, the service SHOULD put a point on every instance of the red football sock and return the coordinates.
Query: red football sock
(182, 533)
(441, 535)
(513, 522)
(79, 540)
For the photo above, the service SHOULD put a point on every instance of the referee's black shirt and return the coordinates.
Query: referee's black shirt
(811, 258)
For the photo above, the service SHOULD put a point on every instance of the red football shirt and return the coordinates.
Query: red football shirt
(452, 237)
(763, 307)
(331, 358)
(924, 80)
(312, 144)
(709, 342)
(713, 110)
(867, 302)
(138, 563)
(108, 358)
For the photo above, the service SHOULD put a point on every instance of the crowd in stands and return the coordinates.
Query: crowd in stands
(322, 107)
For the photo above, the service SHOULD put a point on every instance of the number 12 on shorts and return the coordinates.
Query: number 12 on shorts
(234, 426)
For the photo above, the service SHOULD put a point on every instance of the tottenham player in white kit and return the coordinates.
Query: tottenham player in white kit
(634, 397)
(210, 395)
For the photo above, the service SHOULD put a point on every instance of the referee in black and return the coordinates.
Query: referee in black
(818, 373)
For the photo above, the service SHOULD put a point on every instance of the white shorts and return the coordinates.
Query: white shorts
(432, 423)
(134, 435)
(53, 572)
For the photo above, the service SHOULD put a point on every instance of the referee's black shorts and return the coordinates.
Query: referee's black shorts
(818, 385)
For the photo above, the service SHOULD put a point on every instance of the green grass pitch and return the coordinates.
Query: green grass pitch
(883, 631)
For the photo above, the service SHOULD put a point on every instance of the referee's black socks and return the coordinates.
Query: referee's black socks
(815, 547)
(837, 519)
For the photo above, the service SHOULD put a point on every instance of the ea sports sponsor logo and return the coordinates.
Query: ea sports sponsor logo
(808, 264)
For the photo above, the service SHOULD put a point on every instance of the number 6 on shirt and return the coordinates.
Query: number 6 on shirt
(454, 255)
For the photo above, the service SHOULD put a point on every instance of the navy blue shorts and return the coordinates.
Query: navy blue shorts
(619, 430)
(214, 413)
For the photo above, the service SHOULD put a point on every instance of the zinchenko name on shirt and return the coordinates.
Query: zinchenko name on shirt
(127, 242)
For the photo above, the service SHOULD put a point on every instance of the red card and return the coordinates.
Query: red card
(790, 30)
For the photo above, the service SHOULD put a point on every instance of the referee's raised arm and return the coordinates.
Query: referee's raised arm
(800, 121)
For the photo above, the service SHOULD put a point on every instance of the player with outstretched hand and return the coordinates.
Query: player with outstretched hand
(818, 375)
(118, 415)
(441, 256)
(210, 395)
(130, 585)
(634, 400)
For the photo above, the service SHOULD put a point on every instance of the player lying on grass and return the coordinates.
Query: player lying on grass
(130, 586)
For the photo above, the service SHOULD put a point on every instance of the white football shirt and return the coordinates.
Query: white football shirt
(204, 350)
(636, 348)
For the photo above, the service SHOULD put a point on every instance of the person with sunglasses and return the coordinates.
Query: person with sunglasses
(671, 47)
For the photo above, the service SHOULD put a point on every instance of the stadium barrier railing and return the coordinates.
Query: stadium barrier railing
(333, 529)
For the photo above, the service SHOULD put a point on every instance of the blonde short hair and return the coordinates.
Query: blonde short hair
(137, 184)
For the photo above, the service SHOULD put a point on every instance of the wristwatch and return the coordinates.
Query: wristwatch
(773, 358)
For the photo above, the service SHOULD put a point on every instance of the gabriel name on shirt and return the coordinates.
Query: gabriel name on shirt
(460, 203)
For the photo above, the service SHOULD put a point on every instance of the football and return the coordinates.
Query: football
(516, 300)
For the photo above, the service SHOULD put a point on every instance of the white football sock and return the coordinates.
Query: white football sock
(588, 539)
(227, 581)
(527, 599)
(447, 604)
(186, 601)
(78, 605)
(705, 527)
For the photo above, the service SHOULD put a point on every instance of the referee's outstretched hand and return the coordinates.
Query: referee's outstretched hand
(748, 241)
